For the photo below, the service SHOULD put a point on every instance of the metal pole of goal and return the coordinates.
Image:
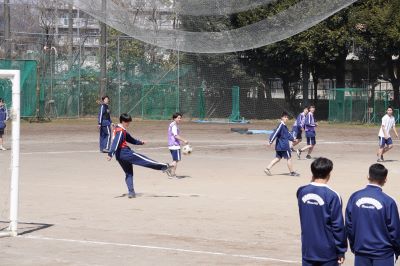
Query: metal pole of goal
(14, 76)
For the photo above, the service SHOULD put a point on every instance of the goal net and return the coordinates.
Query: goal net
(9, 216)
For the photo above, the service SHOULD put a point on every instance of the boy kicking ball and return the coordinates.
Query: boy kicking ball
(127, 157)
(282, 146)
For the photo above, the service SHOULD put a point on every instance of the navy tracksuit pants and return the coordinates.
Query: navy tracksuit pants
(105, 137)
(127, 158)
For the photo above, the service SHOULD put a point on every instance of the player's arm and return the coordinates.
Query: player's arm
(181, 139)
(6, 110)
(338, 228)
(394, 227)
(274, 135)
(177, 136)
(133, 141)
(349, 224)
(395, 131)
(100, 117)
(115, 144)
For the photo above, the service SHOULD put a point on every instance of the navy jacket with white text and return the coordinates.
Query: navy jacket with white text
(323, 235)
(373, 224)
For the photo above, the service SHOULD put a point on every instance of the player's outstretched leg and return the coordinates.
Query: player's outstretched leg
(142, 160)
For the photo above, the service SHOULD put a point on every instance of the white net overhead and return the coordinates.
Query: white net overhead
(207, 26)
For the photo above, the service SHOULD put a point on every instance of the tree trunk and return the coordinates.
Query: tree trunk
(286, 88)
(305, 74)
(315, 75)
(7, 31)
(394, 76)
(340, 64)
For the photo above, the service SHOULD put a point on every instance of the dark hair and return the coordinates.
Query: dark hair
(306, 107)
(311, 106)
(378, 173)
(1, 100)
(389, 107)
(321, 168)
(284, 114)
(125, 118)
(105, 96)
(176, 115)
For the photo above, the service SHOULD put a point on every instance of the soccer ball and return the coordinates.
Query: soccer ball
(187, 149)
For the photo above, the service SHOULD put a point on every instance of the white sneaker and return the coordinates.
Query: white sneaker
(2, 148)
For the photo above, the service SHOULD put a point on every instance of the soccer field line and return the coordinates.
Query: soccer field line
(182, 250)
(199, 146)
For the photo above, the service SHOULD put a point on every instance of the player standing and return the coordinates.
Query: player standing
(282, 146)
(323, 235)
(372, 222)
(298, 127)
(174, 142)
(309, 127)
(3, 119)
(127, 157)
(104, 124)
(385, 140)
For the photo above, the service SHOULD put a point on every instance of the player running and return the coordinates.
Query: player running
(385, 140)
(282, 147)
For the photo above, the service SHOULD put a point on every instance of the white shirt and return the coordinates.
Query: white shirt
(388, 122)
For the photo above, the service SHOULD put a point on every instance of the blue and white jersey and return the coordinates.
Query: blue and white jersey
(104, 118)
(3, 116)
(282, 136)
(323, 235)
(299, 123)
(120, 146)
(309, 123)
(372, 223)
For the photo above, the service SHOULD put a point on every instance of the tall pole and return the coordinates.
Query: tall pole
(119, 78)
(178, 92)
(103, 50)
(7, 29)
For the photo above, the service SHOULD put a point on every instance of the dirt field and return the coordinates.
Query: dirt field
(223, 211)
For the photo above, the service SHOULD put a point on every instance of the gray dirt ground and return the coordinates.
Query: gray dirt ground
(225, 211)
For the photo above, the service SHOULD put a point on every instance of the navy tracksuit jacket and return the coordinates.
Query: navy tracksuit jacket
(104, 121)
(282, 136)
(373, 224)
(127, 157)
(323, 233)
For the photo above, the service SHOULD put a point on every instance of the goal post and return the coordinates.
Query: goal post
(14, 77)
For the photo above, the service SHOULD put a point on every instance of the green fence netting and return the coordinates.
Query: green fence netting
(28, 84)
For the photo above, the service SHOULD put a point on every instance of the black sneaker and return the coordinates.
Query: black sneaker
(131, 195)
(294, 174)
(298, 153)
(308, 156)
(380, 160)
